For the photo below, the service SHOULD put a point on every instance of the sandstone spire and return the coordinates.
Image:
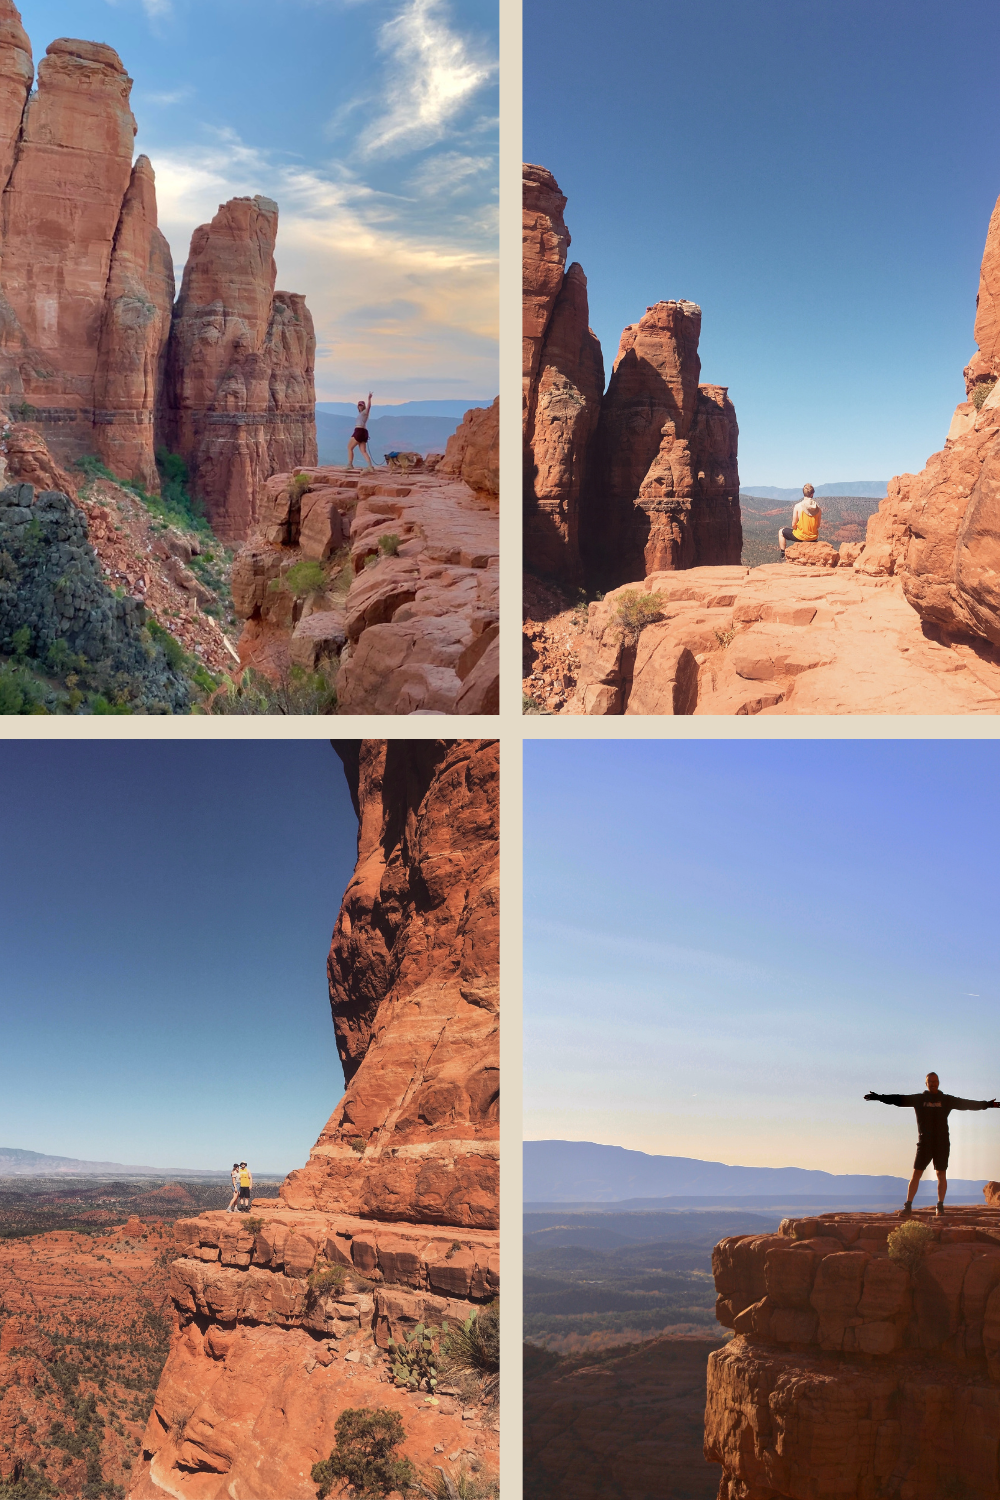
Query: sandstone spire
(239, 397)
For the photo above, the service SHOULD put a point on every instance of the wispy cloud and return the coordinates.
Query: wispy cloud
(172, 96)
(431, 73)
(450, 173)
(391, 304)
(157, 9)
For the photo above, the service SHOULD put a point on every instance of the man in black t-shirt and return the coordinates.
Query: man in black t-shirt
(933, 1142)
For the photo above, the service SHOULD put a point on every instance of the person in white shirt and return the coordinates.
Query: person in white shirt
(359, 437)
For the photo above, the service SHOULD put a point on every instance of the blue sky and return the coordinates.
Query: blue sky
(372, 123)
(728, 944)
(818, 177)
(166, 910)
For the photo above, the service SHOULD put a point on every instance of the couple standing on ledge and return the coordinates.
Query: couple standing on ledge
(933, 1142)
(805, 522)
(242, 1183)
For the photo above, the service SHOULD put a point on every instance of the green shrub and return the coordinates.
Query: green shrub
(20, 693)
(357, 1144)
(389, 544)
(980, 393)
(21, 642)
(300, 692)
(466, 1487)
(172, 648)
(634, 612)
(530, 705)
(305, 577)
(725, 637)
(414, 1363)
(475, 1346)
(907, 1244)
(298, 485)
(324, 1278)
(365, 1455)
(253, 1224)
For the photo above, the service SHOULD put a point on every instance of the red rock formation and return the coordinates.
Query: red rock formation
(239, 400)
(417, 628)
(283, 1320)
(473, 450)
(86, 291)
(136, 324)
(938, 530)
(16, 74)
(853, 1373)
(413, 989)
(563, 377)
(662, 490)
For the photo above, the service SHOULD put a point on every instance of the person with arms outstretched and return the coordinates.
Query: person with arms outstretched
(933, 1141)
(359, 437)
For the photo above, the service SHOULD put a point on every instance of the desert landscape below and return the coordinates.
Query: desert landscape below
(641, 594)
(169, 541)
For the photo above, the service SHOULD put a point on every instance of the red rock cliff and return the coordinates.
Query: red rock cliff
(662, 491)
(938, 530)
(852, 1373)
(239, 399)
(87, 288)
(563, 382)
(640, 481)
(283, 1320)
(413, 990)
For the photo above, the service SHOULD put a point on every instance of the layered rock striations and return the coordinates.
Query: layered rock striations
(405, 610)
(852, 1373)
(937, 531)
(636, 479)
(239, 400)
(87, 351)
(283, 1320)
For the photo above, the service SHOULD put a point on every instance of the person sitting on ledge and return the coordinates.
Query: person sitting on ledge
(805, 522)
(933, 1142)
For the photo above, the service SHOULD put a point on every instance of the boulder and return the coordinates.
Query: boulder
(812, 554)
(473, 450)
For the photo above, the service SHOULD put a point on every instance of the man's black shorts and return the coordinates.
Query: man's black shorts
(789, 534)
(926, 1153)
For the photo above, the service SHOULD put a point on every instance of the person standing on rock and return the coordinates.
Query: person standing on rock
(235, 1176)
(933, 1142)
(246, 1184)
(359, 438)
(806, 518)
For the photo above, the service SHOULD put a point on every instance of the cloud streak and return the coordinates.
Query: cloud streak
(431, 75)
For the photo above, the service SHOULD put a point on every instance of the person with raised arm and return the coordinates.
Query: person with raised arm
(933, 1141)
(359, 437)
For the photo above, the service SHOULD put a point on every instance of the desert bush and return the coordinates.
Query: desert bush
(253, 1224)
(634, 612)
(530, 705)
(474, 1347)
(298, 485)
(467, 1486)
(172, 648)
(725, 637)
(980, 393)
(907, 1244)
(324, 1278)
(357, 1144)
(389, 544)
(303, 578)
(365, 1456)
(300, 692)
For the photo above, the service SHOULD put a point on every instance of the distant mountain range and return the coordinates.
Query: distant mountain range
(17, 1163)
(403, 408)
(581, 1172)
(874, 489)
(413, 434)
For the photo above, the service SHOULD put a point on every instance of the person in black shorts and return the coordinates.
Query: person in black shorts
(359, 437)
(933, 1142)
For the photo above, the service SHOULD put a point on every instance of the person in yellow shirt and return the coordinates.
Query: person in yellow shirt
(806, 518)
(246, 1184)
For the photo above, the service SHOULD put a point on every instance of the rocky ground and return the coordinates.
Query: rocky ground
(83, 1339)
(777, 639)
(626, 1424)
